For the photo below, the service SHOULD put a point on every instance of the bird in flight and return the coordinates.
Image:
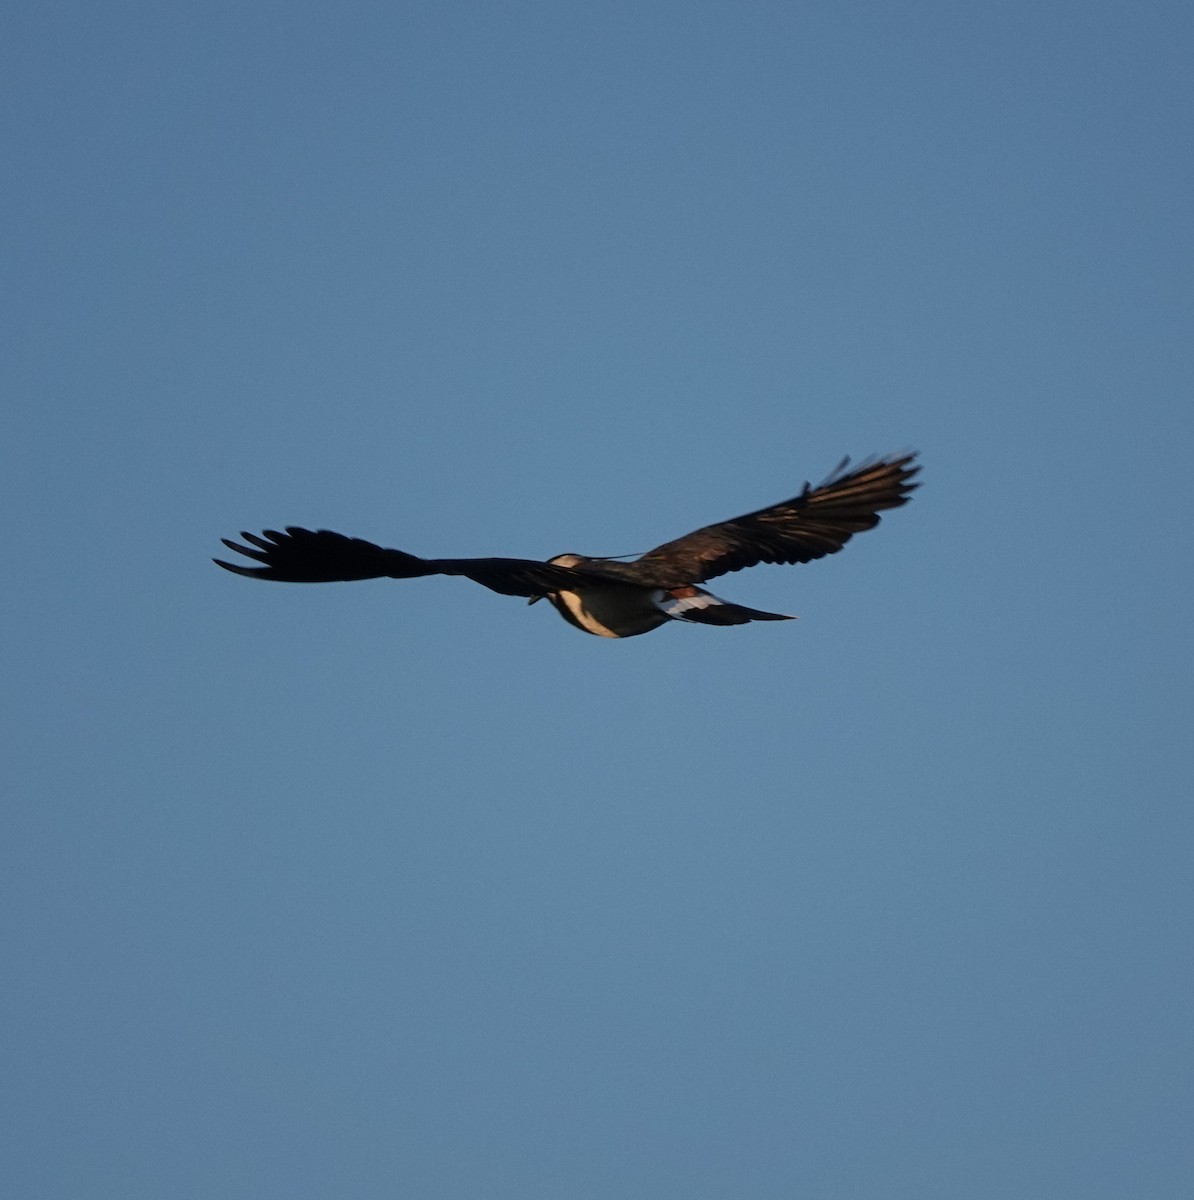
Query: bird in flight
(619, 599)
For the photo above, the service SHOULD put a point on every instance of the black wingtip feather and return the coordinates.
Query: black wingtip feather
(237, 570)
(257, 555)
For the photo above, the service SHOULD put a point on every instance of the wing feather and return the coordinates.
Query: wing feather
(322, 556)
(817, 522)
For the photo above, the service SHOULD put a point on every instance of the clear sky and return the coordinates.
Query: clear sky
(392, 889)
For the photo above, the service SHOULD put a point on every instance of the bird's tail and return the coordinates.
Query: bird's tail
(726, 613)
(695, 604)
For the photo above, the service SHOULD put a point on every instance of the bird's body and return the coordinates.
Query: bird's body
(614, 608)
(618, 599)
(607, 609)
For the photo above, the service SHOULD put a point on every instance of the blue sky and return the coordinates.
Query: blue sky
(403, 889)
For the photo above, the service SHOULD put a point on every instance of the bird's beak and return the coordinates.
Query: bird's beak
(534, 600)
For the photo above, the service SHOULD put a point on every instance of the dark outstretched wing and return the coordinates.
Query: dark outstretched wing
(819, 521)
(307, 556)
(513, 576)
(321, 556)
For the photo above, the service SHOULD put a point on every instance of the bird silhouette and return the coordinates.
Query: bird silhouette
(610, 598)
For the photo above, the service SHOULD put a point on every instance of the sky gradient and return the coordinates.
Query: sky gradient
(405, 889)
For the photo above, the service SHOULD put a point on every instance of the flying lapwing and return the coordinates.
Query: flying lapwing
(610, 598)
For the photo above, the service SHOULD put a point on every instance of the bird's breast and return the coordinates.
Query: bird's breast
(613, 611)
